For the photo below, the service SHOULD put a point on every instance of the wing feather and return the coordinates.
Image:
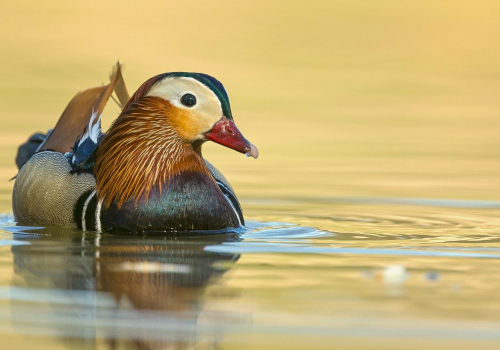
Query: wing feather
(77, 115)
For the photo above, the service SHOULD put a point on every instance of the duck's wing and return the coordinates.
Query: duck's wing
(227, 190)
(81, 111)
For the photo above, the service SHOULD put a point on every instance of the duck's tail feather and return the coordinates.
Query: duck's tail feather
(27, 149)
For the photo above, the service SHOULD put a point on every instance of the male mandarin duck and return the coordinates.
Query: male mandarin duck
(146, 173)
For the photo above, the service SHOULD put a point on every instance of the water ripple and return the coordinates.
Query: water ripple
(253, 247)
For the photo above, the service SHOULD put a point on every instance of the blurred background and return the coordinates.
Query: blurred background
(343, 98)
(352, 104)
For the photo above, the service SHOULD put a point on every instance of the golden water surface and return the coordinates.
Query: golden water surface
(374, 208)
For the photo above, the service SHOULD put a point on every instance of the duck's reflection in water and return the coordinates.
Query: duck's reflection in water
(144, 292)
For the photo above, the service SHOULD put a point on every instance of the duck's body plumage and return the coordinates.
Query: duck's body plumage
(46, 192)
(147, 173)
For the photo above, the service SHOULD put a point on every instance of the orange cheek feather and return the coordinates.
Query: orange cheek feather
(187, 125)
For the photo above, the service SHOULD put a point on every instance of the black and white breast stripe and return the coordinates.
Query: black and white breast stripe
(90, 218)
(84, 210)
(233, 201)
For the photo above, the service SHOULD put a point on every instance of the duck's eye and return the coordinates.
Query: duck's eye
(188, 100)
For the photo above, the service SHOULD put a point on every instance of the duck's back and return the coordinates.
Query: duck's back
(47, 193)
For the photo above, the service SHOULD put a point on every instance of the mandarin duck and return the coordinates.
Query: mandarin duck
(146, 173)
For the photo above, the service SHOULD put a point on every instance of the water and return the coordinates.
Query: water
(406, 273)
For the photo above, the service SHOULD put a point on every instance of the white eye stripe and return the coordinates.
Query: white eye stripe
(172, 89)
(204, 113)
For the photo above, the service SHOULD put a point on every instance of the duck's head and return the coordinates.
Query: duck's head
(197, 107)
(160, 132)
